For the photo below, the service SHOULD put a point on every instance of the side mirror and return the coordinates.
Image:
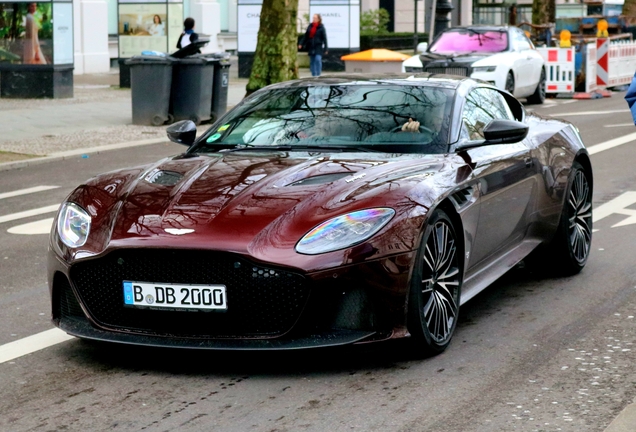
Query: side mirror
(505, 132)
(182, 132)
(498, 132)
(422, 47)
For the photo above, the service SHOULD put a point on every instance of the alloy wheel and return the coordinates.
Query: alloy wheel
(440, 282)
(580, 220)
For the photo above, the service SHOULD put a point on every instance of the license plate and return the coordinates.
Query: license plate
(159, 295)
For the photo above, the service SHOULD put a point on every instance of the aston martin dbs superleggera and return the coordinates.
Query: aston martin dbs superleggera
(323, 212)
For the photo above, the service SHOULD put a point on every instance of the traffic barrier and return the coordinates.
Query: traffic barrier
(592, 90)
(622, 63)
(559, 64)
(591, 83)
(602, 62)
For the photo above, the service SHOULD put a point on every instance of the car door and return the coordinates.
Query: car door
(505, 177)
(529, 61)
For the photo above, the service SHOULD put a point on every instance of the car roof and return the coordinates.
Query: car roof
(424, 79)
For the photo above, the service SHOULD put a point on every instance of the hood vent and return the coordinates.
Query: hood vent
(320, 179)
(164, 178)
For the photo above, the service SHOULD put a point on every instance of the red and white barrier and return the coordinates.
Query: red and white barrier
(590, 68)
(602, 62)
(559, 64)
(616, 62)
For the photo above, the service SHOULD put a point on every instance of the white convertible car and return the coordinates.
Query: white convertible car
(500, 55)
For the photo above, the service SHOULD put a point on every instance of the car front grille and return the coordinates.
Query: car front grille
(412, 69)
(261, 301)
(461, 71)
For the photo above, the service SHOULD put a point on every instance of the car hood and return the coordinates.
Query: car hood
(251, 203)
(466, 58)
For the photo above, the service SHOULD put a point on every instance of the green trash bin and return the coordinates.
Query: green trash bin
(192, 81)
(150, 80)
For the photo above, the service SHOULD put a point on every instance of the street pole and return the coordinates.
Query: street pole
(431, 27)
(415, 30)
(442, 18)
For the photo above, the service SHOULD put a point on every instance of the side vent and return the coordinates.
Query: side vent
(461, 198)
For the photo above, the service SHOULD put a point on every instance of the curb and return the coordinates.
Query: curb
(77, 152)
(625, 421)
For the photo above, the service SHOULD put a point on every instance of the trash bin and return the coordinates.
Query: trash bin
(192, 82)
(221, 84)
(124, 73)
(150, 79)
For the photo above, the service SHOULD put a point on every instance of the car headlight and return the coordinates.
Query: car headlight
(484, 68)
(73, 225)
(344, 231)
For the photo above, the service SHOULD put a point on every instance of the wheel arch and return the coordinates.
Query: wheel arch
(584, 159)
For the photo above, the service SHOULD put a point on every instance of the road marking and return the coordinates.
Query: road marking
(586, 113)
(620, 125)
(617, 206)
(31, 344)
(29, 213)
(26, 191)
(38, 227)
(611, 143)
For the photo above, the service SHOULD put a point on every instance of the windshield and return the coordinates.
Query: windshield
(468, 41)
(337, 117)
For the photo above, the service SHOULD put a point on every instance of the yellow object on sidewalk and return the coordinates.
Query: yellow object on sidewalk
(374, 60)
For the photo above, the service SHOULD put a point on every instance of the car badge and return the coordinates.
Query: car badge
(178, 231)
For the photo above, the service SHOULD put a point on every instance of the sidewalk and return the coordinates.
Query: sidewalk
(99, 114)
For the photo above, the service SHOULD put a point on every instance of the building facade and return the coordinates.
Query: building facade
(96, 24)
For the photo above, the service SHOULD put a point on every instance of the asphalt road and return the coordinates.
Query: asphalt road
(531, 353)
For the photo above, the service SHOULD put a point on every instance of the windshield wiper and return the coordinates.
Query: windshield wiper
(317, 148)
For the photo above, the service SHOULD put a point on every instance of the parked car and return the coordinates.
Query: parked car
(322, 212)
(500, 55)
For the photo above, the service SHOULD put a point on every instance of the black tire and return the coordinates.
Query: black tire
(570, 248)
(170, 119)
(433, 305)
(510, 83)
(157, 120)
(538, 97)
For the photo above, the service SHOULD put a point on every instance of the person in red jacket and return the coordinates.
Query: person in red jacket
(315, 43)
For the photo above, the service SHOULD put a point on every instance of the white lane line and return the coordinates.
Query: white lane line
(620, 125)
(31, 344)
(611, 143)
(586, 113)
(617, 206)
(38, 227)
(29, 213)
(26, 191)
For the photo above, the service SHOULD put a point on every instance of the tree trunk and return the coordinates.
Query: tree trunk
(629, 13)
(277, 46)
(543, 12)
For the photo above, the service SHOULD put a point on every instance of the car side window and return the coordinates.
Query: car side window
(521, 41)
(482, 106)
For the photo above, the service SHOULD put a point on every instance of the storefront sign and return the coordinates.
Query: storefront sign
(249, 20)
(63, 33)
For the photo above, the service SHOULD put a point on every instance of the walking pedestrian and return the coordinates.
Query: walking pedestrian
(630, 97)
(313, 42)
(188, 36)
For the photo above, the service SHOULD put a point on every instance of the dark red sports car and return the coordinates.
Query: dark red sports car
(323, 212)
